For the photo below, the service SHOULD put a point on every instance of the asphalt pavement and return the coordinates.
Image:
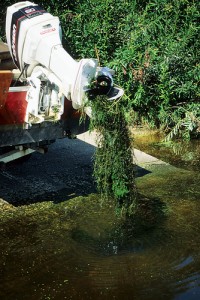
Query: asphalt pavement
(64, 172)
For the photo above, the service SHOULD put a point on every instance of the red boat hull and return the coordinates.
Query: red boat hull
(13, 107)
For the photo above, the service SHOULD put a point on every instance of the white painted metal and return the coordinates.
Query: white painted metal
(15, 154)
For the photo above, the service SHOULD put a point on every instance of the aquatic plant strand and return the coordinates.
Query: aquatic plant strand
(113, 165)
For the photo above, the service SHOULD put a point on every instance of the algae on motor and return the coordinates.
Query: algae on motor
(114, 170)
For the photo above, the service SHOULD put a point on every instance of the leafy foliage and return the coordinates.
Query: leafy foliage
(162, 71)
(153, 47)
(187, 123)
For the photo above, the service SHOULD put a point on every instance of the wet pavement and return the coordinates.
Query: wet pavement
(64, 172)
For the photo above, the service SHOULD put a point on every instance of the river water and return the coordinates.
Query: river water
(82, 249)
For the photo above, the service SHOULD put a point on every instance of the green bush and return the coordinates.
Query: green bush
(160, 62)
(152, 46)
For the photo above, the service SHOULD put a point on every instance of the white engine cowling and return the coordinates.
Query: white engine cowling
(34, 40)
(27, 28)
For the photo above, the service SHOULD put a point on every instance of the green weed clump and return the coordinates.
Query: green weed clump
(113, 163)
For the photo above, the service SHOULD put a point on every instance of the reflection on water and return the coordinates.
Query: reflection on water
(79, 249)
(183, 154)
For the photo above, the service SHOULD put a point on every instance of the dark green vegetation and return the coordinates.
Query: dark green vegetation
(113, 166)
(152, 45)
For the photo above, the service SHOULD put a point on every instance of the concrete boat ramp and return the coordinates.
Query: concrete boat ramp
(141, 159)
